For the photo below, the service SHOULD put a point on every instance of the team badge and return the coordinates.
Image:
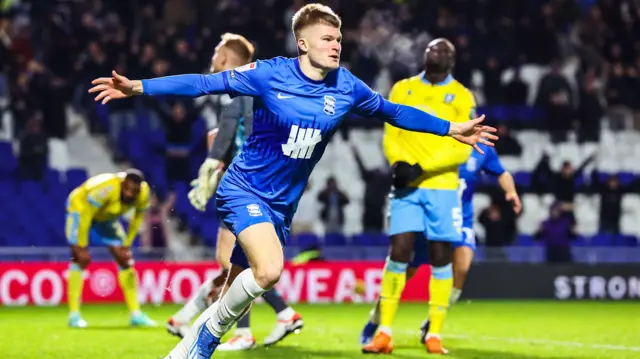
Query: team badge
(254, 210)
(449, 97)
(329, 105)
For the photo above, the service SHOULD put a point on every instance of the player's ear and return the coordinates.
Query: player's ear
(302, 45)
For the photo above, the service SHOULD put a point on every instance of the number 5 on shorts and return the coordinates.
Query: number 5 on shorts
(456, 215)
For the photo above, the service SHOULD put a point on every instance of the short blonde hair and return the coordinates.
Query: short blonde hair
(312, 14)
(240, 45)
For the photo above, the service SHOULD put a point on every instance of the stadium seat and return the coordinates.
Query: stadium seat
(306, 240)
(601, 240)
(8, 161)
(334, 239)
(75, 177)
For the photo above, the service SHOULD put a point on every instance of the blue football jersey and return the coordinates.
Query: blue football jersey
(469, 173)
(294, 120)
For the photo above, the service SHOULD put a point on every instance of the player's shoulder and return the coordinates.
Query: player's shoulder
(145, 194)
(461, 90)
(101, 180)
(407, 83)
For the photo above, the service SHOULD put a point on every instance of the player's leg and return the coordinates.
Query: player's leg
(406, 219)
(288, 320)
(463, 252)
(263, 250)
(209, 291)
(112, 235)
(80, 259)
(374, 315)
(462, 258)
(444, 220)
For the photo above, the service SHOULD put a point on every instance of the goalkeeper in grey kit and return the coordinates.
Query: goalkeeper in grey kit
(225, 142)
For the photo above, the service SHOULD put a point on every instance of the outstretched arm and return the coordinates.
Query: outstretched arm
(248, 80)
(371, 104)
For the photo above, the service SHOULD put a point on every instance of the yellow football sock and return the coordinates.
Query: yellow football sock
(440, 287)
(393, 280)
(74, 287)
(129, 284)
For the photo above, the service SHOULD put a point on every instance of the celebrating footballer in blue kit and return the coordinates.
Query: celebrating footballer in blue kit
(463, 251)
(298, 105)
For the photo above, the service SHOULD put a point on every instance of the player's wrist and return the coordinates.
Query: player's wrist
(454, 129)
(137, 88)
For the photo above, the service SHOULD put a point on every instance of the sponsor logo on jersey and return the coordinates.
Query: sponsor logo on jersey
(301, 142)
(247, 67)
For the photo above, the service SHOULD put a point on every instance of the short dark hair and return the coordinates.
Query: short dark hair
(134, 175)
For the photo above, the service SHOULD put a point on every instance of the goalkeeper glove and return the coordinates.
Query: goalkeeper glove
(206, 184)
(404, 173)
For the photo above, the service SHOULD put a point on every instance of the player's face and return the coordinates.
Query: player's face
(323, 45)
(439, 56)
(129, 191)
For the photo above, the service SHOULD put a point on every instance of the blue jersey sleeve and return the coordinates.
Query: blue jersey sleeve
(251, 79)
(492, 163)
(248, 80)
(370, 104)
(191, 85)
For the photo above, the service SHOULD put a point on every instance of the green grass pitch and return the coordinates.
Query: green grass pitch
(509, 330)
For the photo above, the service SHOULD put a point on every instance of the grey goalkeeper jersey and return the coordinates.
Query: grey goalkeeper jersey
(235, 121)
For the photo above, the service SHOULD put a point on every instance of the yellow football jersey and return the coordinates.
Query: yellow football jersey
(438, 156)
(98, 200)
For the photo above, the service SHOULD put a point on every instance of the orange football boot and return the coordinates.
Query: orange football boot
(434, 345)
(381, 344)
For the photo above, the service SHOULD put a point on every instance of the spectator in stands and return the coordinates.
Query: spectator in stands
(464, 61)
(34, 150)
(377, 186)
(492, 73)
(307, 213)
(495, 229)
(590, 109)
(555, 97)
(611, 193)
(333, 201)
(557, 232)
(508, 145)
(177, 120)
(562, 184)
(121, 115)
(620, 98)
(516, 91)
(155, 234)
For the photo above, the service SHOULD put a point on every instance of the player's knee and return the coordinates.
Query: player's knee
(440, 253)
(267, 276)
(402, 247)
(223, 259)
(82, 260)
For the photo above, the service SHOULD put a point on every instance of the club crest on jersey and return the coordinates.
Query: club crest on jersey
(448, 98)
(254, 210)
(330, 105)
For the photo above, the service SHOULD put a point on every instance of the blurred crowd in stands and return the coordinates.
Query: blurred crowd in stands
(51, 49)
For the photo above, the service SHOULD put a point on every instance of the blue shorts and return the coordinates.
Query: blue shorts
(108, 233)
(435, 213)
(239, 209)
(468, 239)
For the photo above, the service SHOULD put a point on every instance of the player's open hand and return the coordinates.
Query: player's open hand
(115, 87)
(473, 132)
(515, 201)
